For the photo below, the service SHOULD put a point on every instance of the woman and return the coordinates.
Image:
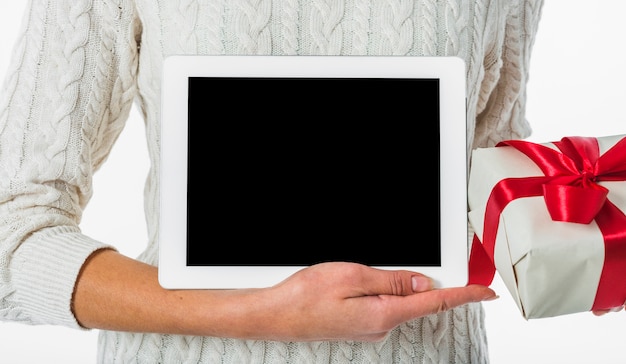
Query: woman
(78, 68)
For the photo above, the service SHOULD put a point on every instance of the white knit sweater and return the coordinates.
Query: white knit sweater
(80, 64)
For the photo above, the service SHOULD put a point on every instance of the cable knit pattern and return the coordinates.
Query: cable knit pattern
(428, 25)
(79, 65)
(325, 27)
(396, 26)
(289, 18)
(251, 26)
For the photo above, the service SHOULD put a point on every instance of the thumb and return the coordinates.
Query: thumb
(394, 282)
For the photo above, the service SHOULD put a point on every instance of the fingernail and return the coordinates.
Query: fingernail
(421, 283)
(491, 298)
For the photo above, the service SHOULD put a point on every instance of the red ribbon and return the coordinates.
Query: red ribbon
(571, 193)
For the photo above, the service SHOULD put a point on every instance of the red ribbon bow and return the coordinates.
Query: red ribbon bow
(572, 194)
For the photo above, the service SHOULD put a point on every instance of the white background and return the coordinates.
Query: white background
(577, 87)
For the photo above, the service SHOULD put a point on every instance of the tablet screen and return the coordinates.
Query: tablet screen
(297, 171)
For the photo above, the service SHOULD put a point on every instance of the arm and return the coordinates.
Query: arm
(64, 101)
(329, 301)
(501, 104)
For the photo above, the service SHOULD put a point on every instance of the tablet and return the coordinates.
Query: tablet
(270, 164)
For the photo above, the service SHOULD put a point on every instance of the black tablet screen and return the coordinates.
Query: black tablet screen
(296, 171)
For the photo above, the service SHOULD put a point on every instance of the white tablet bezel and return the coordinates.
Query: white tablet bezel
(173, 271)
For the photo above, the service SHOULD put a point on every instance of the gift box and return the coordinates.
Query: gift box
(549, 219)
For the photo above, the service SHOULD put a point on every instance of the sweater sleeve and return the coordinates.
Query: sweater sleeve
(64, 101)
(502, 102)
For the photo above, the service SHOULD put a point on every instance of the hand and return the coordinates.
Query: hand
(346, 301)
(604, 312)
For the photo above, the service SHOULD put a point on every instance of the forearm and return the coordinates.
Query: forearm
(115, 292)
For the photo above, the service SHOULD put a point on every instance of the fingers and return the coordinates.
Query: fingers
(444, 299)
(378, 282)
(440, 300)
(604, 312)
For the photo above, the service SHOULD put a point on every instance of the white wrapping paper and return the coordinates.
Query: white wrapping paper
(550, 268)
